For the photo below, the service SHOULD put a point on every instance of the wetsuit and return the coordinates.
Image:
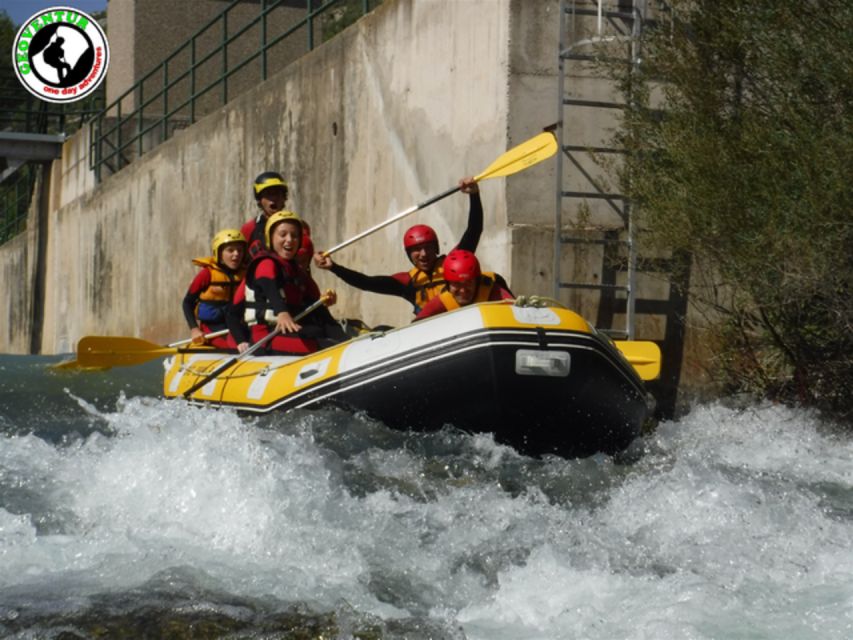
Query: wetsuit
(273, 285)
(416, 286)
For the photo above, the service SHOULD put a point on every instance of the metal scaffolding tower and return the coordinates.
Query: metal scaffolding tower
(589, 214)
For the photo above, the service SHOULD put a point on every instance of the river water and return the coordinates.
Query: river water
(124, 515)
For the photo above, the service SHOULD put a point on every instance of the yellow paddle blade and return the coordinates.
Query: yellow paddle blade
(103, 352)
(643, 355)
(525, 155)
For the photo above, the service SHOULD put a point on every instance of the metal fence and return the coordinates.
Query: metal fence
(223, 58)
(15, 195)
(21, 112)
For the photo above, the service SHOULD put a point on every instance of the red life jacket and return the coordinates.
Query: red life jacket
(292, 284)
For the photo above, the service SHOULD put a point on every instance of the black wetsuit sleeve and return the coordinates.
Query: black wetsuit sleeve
(270, 290)
(501, 282)
(376, 284)
(189, 304)
(471, 237)
(235, 324)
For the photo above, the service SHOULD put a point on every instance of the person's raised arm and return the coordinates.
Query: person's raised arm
(471, 237)
(387, 285)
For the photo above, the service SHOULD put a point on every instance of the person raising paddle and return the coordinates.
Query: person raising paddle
(425, 280)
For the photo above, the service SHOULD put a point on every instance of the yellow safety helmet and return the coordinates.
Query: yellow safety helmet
(266, 180)
(224, 237)
(274, 219)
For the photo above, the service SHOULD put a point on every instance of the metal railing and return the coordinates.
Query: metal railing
(181, 89)
(21, 112)
(15, 196)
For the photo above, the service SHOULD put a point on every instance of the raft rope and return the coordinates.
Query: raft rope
(260, 372)
(538, 302)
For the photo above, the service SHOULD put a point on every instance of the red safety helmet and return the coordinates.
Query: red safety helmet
(461, 266)
(419, 234)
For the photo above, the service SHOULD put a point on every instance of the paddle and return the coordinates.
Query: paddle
(643, 355)
(104, 352)
(517, 159)
(260, 343)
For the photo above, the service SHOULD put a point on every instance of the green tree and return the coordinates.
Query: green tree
(741, 147)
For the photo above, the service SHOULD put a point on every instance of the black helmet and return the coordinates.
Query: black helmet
(266, 180)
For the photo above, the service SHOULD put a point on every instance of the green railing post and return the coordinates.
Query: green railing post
(192, 81)
(165, 127)
(225, 56)
(263, 39)
(98, 152)
(140, 123)
(310, 22)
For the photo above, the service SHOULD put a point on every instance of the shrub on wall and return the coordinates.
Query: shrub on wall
(741, 142)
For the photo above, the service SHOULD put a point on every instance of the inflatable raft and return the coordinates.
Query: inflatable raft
(539, 378)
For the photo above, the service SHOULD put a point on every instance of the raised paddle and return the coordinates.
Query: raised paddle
(104, 352)
(517, 159)
(260, 343)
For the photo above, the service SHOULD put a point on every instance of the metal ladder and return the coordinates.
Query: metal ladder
(584, 26)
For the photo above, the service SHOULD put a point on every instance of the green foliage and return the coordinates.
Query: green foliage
(741, 143)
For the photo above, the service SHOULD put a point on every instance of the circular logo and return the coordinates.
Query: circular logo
(61, 54)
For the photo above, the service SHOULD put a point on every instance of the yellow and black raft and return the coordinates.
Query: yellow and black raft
(540, 378)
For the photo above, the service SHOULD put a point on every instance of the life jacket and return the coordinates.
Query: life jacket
(427, 285)
(292, 283)
(484, 292)
(220, 291)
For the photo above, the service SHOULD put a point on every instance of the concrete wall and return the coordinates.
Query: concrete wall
(17, 278)
(394, 110)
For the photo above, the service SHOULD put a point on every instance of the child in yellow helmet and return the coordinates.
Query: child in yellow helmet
(213, 287)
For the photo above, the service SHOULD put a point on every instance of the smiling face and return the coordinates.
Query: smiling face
(424, 255)
(463, 292)
(272, 199)
(285, 238)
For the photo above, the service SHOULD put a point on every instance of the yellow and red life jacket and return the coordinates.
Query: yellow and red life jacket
(220, 291)
(427, 285)
(484, 292)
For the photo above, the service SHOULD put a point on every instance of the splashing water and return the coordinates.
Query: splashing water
(118, 505)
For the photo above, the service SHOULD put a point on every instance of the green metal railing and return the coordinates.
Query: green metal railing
(21, 112)
(15, 195)
(180, 89)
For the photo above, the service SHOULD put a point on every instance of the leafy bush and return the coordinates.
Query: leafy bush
(741, 147)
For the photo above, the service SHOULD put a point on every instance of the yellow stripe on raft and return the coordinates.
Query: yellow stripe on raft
(498, 315)
(256, 381)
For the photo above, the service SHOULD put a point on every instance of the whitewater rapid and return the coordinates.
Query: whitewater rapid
(733, 523)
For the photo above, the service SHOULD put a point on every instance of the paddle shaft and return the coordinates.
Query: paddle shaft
(207, 336)
(391, 220)
(517, 159)
(260, 343)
